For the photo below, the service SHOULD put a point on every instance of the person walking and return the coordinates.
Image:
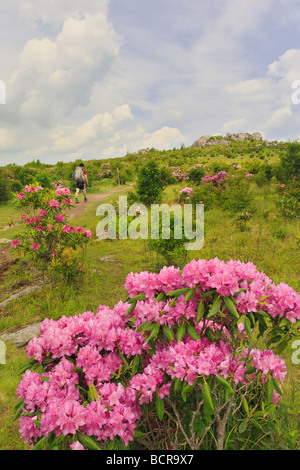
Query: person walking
(81, 181)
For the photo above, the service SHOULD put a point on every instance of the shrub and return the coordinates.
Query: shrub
(45, 230)
(290, 163)
(180, 358)
(241, 221)
(150, 183)
(4, 188)
(172, 249)
(288, 206)
(66, 267)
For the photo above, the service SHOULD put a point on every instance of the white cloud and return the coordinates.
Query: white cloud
(56, 76)
(90, 133)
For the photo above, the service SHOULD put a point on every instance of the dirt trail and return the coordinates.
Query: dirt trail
(79, 209)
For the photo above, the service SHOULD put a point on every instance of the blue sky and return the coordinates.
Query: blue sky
(100, 78)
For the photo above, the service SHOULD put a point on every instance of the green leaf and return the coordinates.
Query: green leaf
(269, 390)
(231, 307)
(177, 385)
(189, 295)
(243, 426)
(214, 308)
(276, 386)
(198, 425)
(181, 332)
(123, 359)
(160, 296)
(200, 311)
(136, 298)
(92, 393)
(252, 319)
(178, 292)
(138, 433)
(247, 326)
(88, 442)
(160, 408)
(18, 410)
(281, 347)
(43, 441)
(26, 366)
(263, 313)
(142, 325)
(207, 397)
(149, 326)
(135, 365)
(192, 332)
(154, 332)
(224, 383)
(245, 405)
(185, 391)
(131, 308)
(168, 332)
(208, 293)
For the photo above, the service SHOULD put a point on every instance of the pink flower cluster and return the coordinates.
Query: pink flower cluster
(186, 190)
(216, 179)
(179, 174)
(228, 278)
(28, 189)
(70, 228)
(62, 192)
(84, 355)
(94, 339)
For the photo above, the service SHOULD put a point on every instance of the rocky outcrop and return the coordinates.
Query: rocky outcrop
(209, 140)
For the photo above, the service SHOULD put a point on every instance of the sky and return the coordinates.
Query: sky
(94, 79)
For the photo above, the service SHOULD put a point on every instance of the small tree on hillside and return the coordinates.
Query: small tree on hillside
(150, 183)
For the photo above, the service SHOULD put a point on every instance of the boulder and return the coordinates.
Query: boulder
(208, 140)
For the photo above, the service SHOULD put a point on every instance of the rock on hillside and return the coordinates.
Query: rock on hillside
(208, 140)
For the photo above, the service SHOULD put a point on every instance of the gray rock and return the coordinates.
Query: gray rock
(22, 293)
(23, 335)
(208, 140)
(4, 240)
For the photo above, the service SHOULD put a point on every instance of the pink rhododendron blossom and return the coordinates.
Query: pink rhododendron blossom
(84, 387)
(62, 192)
(88, 234)
(42, 212)
(76, 446)
(60, 218)
(53, 203)
(35, 246)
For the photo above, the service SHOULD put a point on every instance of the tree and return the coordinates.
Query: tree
(4, 188)
(290, 163)
(150, 183)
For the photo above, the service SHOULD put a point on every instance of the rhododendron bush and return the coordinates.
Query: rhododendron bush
(45, 232)
(184, 353)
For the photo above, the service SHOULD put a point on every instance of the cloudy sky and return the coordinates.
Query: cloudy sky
(100, 78)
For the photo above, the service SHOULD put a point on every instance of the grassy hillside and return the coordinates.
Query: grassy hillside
(269, 239)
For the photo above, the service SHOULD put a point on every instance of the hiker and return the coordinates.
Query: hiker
(81, 180)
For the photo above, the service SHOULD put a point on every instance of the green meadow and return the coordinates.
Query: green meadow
(270, 239)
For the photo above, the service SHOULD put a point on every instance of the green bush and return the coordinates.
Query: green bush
(150, 183)
(4, 188)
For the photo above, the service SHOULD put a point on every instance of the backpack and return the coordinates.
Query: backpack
(79, 175)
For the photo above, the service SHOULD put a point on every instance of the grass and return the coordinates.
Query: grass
(110, 261)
